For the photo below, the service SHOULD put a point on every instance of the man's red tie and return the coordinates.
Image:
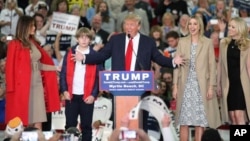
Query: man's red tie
(128, 57)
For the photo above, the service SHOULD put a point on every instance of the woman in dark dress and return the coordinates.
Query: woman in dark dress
(234, 72)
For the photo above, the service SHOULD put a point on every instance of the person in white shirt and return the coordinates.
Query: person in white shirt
(101, 118)
(79, 84)
(172, 38)
(9, 17)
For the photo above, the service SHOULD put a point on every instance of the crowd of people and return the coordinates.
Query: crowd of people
(197, 49)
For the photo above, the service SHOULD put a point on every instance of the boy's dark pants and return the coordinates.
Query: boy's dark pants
(74, 107)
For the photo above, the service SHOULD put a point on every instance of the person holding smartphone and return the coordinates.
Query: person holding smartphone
(125, 134)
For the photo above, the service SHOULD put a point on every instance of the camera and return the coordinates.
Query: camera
(214, 21)
(127, 134)
(33, 136)
(9, 37)
(48, 134)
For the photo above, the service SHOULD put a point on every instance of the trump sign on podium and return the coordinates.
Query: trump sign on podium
(126, 82)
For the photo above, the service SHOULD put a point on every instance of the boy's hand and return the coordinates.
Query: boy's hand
(89, 100)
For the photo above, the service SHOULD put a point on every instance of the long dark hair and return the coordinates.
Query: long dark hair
(23, 28)
(61, 1)
(105, 15)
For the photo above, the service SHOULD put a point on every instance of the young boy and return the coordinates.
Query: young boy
(79, 84)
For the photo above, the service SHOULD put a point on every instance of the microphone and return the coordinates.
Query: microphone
(129, 36)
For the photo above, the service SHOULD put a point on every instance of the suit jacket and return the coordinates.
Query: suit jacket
(205, 67)
(115, 48)
(144, 20)
(18, 82)
(223, 77)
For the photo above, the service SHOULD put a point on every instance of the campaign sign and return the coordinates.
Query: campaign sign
(242, 4)
(65, 41)
(126, 82)
(67, 23)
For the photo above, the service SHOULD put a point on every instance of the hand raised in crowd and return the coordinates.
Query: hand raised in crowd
(58, 35)
(125, 121)
(115, 135)
(141, 135)
(97, 47)
(222, 25)
(55, 137)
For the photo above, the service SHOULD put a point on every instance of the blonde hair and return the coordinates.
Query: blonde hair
(242, 30)
(167, 14)
(83, 31)
(133, 17)
(200, 22)
(75, 6)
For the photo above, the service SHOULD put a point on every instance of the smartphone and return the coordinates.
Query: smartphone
(214, 21)
(65, 137)
(9, 38)
(48, 134)
(127, 134)
(29, 136)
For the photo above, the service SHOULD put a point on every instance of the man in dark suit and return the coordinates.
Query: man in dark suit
(144, 51)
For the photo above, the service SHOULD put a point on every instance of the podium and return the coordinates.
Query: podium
(127, 88)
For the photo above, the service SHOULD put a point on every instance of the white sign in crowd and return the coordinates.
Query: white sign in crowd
(65, 23)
